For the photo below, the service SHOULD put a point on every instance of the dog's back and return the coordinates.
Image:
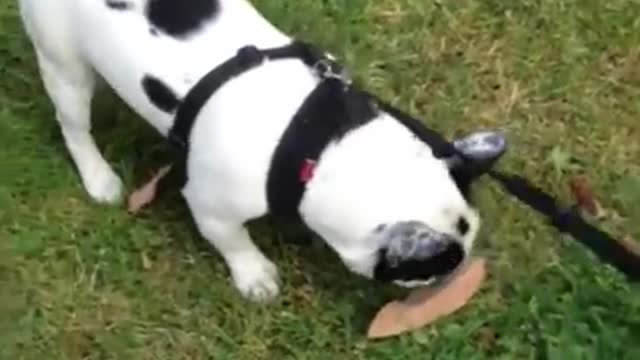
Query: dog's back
(149, 52)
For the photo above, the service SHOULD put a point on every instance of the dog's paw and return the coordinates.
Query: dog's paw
(104, 186)
(256, 279)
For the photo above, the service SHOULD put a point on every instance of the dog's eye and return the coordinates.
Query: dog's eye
(463, 226)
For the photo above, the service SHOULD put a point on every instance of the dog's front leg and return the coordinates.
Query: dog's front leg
(255, 276)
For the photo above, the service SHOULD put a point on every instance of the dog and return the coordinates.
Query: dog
(379, 197)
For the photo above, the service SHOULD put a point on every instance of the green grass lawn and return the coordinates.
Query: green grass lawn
(562, 77)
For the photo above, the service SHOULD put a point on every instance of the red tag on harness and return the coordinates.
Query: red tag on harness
(306, 172)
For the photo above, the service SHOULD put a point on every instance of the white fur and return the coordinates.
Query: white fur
(377, 174)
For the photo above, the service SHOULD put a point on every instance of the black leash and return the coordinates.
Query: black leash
(569, 221)
(335, 107)
(565, 220)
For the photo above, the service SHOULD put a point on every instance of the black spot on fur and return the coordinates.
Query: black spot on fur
(160, 94)
(463, 176)
(463, 179)
(462, 226)
(153, 32)
(179, 18)
(380, 228)
(119, 4)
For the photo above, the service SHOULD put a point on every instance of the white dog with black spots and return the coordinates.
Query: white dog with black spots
(378, 195)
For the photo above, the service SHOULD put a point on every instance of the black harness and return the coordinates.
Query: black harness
(335, 107)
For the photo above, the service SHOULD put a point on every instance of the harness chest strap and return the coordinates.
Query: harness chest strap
(330, 111)
(246, 59)
(335, 107)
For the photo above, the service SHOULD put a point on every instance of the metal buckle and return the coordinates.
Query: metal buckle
(177, 140)
(250, 56)
(327, 68)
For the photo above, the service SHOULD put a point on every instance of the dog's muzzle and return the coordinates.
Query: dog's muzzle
(415, 254)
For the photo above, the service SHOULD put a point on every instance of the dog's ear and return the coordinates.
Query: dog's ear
(480, 150)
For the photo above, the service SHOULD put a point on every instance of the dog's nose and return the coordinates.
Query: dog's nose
(421, 254)
(446, 256)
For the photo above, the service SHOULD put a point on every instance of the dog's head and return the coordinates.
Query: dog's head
(415, 253)
(397, 213)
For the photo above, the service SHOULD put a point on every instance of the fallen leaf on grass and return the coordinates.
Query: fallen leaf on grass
(147, 192)
(583, 194)
(425, 305)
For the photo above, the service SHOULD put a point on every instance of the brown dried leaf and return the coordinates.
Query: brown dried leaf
(425, 305)
(583, 194)
(147, 192)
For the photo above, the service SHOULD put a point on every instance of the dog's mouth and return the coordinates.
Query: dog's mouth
(433, 260)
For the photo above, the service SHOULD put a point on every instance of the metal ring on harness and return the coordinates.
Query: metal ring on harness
(328, 69)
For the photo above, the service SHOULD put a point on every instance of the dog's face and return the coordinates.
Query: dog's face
(412, 222)
(412, 253)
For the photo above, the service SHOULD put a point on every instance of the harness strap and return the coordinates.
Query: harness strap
(330, 111)
(246, 58)
(333, 108)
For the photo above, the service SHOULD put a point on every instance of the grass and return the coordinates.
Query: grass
(561, 77)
